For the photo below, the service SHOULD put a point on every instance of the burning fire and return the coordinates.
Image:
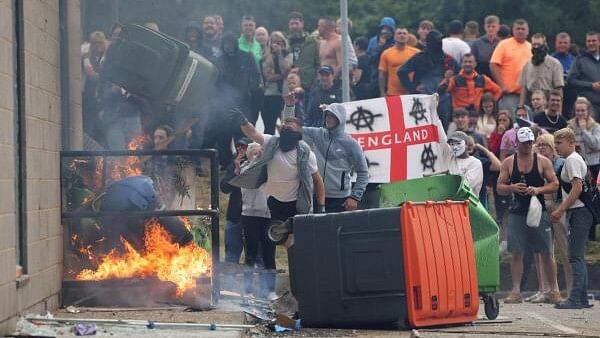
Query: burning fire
(132, 165)
(186, 222)
(162, 258)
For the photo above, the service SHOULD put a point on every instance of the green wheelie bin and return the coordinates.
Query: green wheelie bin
(484, 227)
(163, 69)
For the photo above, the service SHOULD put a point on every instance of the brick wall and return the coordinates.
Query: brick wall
(44, 233)
(8, 296)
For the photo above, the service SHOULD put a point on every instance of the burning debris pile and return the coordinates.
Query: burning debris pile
(168, 261)
(112, 243)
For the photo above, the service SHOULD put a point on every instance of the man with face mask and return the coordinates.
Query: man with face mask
(286, 172)
(338, 157)
(463, 164)
(429, 68)
(526, 175)
(541, 72)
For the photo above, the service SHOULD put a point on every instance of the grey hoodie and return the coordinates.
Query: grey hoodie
(338, 156)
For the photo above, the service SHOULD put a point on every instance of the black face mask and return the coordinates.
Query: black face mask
(539, 54)
(288, 139)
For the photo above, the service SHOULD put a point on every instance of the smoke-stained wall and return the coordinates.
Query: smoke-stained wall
(39, 289)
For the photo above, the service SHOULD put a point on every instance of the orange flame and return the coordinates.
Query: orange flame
(186, 222)
(131, 166)
(162, 258)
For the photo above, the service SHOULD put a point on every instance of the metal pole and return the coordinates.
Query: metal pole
(214, 225)
(345, 52)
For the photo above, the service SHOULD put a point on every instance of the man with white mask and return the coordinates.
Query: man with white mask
(463, 164)
(455, 152)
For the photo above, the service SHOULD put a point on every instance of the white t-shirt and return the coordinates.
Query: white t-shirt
(456, 48)
(283, 181)
(471, 169)
(574, 167)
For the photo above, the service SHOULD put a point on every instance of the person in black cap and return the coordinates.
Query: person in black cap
(326, 91)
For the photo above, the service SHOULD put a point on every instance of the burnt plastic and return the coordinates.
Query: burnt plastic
(439, 262)
(346, 269)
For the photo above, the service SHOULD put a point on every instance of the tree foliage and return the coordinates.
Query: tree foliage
(547, 16)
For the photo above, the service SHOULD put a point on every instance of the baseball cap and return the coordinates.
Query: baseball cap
(326, 69)
(525, 135)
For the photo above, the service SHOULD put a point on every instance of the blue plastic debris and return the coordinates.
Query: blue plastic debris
(82, 329)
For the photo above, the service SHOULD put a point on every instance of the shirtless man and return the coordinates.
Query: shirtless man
(330, 52)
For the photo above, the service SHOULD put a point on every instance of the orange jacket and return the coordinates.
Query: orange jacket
(467, 90)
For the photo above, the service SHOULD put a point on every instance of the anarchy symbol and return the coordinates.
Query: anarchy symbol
(428, 158)
(370, 163)
(418, 111)
(362, 118)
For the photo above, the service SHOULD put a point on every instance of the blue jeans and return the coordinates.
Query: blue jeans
(234, 244)
(579, 221)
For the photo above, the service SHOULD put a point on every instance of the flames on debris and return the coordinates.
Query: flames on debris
(161, 257)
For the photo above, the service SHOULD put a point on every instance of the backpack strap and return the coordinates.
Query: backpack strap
(566, 186)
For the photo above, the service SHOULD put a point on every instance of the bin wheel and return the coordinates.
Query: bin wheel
(492, 306)
(278, 232)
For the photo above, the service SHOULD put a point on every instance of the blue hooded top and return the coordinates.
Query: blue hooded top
(386, 21)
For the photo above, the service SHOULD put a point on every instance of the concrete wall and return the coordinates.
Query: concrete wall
(40, 290)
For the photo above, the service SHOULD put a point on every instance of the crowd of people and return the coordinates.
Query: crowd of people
(521, 122)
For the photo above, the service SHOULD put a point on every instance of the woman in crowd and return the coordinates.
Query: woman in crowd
(275, 67)
(255, 220)
(261, 34)
(544, 145)
(488, 111)
(587, 134)
(504, 122)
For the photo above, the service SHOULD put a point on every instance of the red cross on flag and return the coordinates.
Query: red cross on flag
(398, 136)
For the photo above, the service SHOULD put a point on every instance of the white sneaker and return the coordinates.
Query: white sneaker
(503, 246)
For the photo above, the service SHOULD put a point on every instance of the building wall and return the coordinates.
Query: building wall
(8, 294)
(40, 290)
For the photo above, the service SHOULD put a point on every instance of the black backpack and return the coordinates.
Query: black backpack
(590, 196)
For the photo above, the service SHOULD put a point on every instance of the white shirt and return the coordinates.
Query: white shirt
(455, 47)
(574, 167)
(282, 172)
(471, 169)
